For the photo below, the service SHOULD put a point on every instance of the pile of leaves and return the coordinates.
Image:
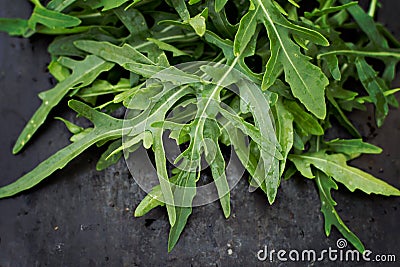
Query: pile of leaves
(297, 67)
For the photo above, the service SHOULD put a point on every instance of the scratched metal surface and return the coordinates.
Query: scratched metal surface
(81, 217)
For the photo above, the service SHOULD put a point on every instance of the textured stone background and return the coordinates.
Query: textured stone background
(81, 217)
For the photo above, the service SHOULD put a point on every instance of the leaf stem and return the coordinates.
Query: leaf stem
(37, 3)
(88, 15)
(327, 4)
(361, 53)
(372, 8)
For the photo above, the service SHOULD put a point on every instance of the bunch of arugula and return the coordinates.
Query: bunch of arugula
(297, 59)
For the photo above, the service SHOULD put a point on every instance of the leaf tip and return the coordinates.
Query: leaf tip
(171, 243)
(137, 213)
(16, 149)
(271, 200)
(395, 192)
(73, 103)
(99, 168)
(320, 114)
(227, 211)
(325, 42)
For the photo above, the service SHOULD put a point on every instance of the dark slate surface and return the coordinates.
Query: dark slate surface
(81, 217)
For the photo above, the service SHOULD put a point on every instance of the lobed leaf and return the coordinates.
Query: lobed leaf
(307, 81)
(83, 73)
(324, 185)
(106, 127)
(335, 166)
(375, 88)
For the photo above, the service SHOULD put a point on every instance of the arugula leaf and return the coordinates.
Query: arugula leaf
(152, 200)
(167, 47)
(73, 128)
(103, 87)
(227, 48)
(14, 27)
(117, 55)
(108, 158)
(51, 19)
(187, 181)
(352, 147)
(168, 196)
(339, 114)
(133, 20)
(307, 81)
(198, 23)
(302, 119)
(375, 88)
(220, 21)
(335, 166)
(106, 127)
(219, 5)
(120, 55)
(367, 24)
(59, 5)
(111, 4)
(217, 164)
(83, 73)
(325, 184)
(319, 12)
(181, 8)
(284, 131)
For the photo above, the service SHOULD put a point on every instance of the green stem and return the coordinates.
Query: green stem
(372, 8)
(89, 15)
(61, 31)
(327, 4)
(361, 53)
(37, 3)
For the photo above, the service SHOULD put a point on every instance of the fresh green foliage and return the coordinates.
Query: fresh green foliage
(335, 166)
(106, 128)
(325, 184)
(306, 80)
(83, 74)
(275, 78)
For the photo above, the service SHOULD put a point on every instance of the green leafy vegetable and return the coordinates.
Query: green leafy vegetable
(336, 167)
(83, 73)
(106, 127)
(265, 80)
(306, 80)
(325, 184)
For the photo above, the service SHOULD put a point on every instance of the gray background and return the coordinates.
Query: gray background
(92, 211)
